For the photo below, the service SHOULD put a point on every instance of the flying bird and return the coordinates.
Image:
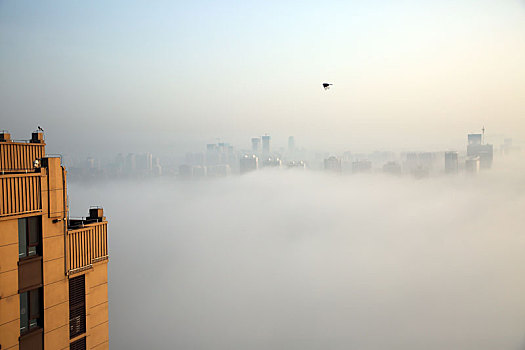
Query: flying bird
(327, 86)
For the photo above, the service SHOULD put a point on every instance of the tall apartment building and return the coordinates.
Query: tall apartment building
(53, 270)
(332, 164)
(476, 148)
(248, 163)
(265, 144)
(255, 144)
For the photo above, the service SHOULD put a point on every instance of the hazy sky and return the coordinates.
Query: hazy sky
(287, 260)
(148, 75)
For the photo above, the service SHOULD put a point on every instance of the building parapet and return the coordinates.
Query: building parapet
(87, 244)
(19, 156)
(20, 194)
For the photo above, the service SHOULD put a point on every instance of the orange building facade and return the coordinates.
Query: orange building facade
(53, 270)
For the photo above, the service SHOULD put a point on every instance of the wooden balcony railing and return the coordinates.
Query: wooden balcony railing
(86, 246)
(19, 156)
(20, 194)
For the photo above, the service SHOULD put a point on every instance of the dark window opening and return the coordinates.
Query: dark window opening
(29, 237)
(31, 310)
(78, 344)
(77, 306)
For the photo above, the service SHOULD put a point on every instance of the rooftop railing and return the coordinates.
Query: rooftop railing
(20, 156)
(20, 194)
(86, 246)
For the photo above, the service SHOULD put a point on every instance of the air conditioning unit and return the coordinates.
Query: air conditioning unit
(96, 213)
(4, 137)
(37, 137)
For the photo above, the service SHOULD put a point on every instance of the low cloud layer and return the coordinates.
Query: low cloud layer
(304, 260)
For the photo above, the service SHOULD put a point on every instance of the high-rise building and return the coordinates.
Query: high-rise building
(361, 166)
(248, 163)
(53, 269)
(472, 164)
(266, 144)
(475, 139)
(476, 148)
(255, 144)
(451, 162)
(332, 164)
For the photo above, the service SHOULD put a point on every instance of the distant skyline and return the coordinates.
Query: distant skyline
(169, 76)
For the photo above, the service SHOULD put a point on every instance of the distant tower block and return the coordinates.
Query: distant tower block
(475, 148)
(451, 162)
(291, 143)
(248, 163)
(472, 165)
(474, 139)
(266, 144)
(256, 142)
(332, 164)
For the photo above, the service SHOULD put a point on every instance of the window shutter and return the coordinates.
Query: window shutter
(77, 306)
(78, 345)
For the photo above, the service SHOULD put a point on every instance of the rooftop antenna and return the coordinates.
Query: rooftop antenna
(483, 135)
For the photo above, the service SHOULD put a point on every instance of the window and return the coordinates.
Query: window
(29, 236)
(77, 306)
(30, 310)
(78, 345)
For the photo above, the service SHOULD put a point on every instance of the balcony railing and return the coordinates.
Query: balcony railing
(20, 194)
(86, 246)
(19, 156)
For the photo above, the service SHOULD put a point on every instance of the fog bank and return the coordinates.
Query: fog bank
(304, 260)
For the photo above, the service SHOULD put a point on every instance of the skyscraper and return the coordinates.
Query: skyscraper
(476, 148)
(266, 144)
(256, 144)
(474, 139)
(53, 270)
(472, 164)
(248, 163)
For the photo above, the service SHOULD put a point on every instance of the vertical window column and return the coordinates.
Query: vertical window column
(77, 306)
(30, 283)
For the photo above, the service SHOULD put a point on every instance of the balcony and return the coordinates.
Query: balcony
(87, 243)
(17, 157)
(20, 194)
